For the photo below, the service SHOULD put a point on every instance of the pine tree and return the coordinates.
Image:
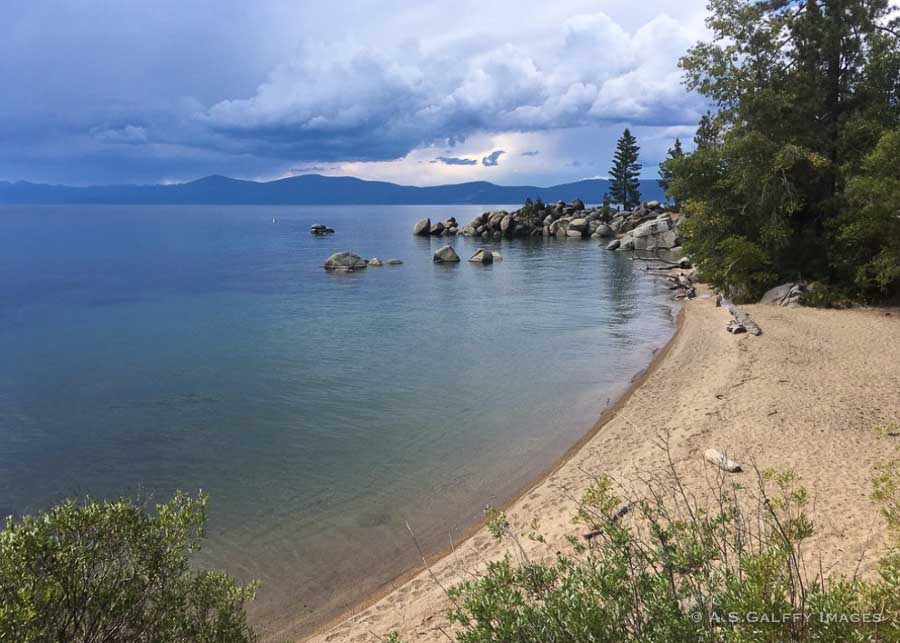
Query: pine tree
(666, 170)
(624, 181)
(707, 133)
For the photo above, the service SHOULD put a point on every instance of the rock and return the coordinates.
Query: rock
(722, 461)
(603, 231)
(784, 295)
(578, 205)
(469, 230)
(656, 234)
(345, 262)
(548, 220)
(437, 229)
(497, 256)
(626, 243)
(375, 261)
(578, 224)
(684, 263)
(394, 262)
(446, 254)
(422, 227)
(483, 256)
(319, 229)
(652, 205)
(613, 245)
(574, 234)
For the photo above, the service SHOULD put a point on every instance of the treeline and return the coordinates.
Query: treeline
(796, 175)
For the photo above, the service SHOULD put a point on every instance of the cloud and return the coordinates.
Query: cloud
(347, 101)
(453, 160)
(492, 159)
(123, 93)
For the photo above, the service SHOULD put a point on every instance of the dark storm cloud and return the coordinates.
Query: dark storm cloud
(144, 91)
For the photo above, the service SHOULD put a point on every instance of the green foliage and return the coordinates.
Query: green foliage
(665, 169)
(800, 158)
(677, 569)
(110, 571)
(624, 186)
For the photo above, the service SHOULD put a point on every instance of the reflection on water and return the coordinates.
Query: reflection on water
(148, 349)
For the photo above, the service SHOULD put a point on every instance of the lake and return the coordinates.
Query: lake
(149, 349)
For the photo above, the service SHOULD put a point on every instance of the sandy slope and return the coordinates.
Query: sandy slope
(807, 394)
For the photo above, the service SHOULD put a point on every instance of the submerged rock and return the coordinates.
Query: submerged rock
(394, 262)
(345, 262)
(445, 254)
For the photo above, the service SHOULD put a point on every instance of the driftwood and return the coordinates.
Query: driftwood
(615, 517)
(722, 461)
(682, 282)
(742, 322)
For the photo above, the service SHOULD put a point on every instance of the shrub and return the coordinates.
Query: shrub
(111, 571)
(683, 570)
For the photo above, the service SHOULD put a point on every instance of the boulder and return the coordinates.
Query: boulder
(603, 231)
(574, 234)
(656, 234)
(505, 223)
(483, 256)
(626, 243)
(784, 295)
(345, 262)
(578, 205)
(422, 227)
(394, 262)
(581, 225)
(375, 261)
(613, 245)
(652, 205)
(445, 254)
(437, 229)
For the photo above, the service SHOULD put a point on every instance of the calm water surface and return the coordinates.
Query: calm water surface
(149, 349)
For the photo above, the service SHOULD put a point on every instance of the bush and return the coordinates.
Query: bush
(111, 571)
(682, 570)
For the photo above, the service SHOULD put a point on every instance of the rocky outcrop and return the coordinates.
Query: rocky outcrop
(345, 262)
(785, 295)
(320, 230)
(646, 228)
(446, 254)
(482, 256)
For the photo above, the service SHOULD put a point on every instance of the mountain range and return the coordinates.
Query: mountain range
(308, 189)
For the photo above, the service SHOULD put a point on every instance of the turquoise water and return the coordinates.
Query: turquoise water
(148, 349)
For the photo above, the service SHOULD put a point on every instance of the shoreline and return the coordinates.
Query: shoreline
(469, 532)
(806, 395)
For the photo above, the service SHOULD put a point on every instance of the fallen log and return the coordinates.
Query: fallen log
(615, 517)
(743, 319)
(722, 461)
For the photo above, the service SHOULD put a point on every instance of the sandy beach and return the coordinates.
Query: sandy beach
(808, 394)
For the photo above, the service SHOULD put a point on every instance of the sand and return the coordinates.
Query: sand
(808, 394)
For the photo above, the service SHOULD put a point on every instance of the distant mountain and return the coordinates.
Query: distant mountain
(309, 189)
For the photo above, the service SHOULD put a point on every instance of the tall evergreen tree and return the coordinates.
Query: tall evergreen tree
(806, 95)
(666, 171)
(624, 176)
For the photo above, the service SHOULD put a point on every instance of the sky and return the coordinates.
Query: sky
(421, 93)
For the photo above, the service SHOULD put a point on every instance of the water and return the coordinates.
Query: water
(149, 349)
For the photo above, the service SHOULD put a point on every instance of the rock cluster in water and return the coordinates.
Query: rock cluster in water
(646, 227)
(320, 230)
(425, 228)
